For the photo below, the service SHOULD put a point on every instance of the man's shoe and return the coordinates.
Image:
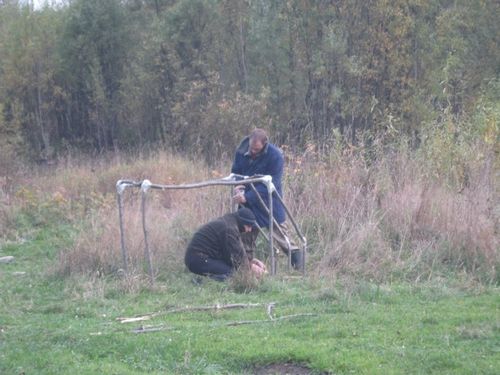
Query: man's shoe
(297, 259)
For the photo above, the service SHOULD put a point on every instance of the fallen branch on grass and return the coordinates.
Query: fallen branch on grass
(7, 259)
(241, 322)
(146, 329)
(193, 308)
(269, 310)
(217, 307)
(138, 319)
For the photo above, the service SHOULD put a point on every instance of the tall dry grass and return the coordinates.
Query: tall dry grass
(171, 218)
(82, 192)
(382, 217)
(172, 215)
(379, 216)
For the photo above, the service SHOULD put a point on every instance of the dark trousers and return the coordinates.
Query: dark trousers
(214, 268)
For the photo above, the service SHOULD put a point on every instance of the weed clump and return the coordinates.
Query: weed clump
(244, 281)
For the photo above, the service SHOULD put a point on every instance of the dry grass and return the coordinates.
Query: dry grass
(171, 217)
(387, 219)
(381, 220)
(77, 177)
(244, 281)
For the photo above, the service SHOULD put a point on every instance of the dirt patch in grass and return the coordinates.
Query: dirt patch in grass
(285, 369)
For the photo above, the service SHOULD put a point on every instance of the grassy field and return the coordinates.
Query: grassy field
(402, 272)
(55, 325)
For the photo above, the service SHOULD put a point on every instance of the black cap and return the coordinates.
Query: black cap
(247, 217)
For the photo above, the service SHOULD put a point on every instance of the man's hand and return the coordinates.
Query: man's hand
(239, 194)
(257, 267)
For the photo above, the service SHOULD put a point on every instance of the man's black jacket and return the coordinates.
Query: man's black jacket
(220, 239)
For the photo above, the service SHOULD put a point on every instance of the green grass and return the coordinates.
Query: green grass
(50, 325)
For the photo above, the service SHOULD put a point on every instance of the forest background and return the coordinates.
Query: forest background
(195, 75)
(388, 113)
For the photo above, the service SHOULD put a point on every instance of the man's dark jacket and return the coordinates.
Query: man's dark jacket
(268, 162)
(219, 239)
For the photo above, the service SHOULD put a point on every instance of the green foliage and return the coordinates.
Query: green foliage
(99, 75)
(29, 91)
(10, 145)
(452, 147)
(486, 115)
(93, 52)
(209, 110)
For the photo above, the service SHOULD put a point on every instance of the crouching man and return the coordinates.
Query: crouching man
(216, 249)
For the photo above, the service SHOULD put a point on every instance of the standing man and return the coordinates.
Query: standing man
(216, 249)
(256, 155)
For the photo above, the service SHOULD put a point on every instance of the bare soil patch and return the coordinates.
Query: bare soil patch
(285, 369)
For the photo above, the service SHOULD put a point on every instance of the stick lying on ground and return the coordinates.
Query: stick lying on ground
(241, 322)
(137, 319)
(193, 308)
(269, 311)
(146, 329)
(7, 259)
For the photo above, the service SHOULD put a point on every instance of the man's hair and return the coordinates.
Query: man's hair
(259, 134)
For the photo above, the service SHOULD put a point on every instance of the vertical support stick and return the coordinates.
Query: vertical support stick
(304, 255)
(289, 256)
(271, 225)
(122, 235)
(297, 230)
(147, 253)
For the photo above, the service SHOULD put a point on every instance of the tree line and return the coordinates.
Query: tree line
(97, 75)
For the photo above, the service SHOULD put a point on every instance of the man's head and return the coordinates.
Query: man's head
(246, 219)
(257, 141)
